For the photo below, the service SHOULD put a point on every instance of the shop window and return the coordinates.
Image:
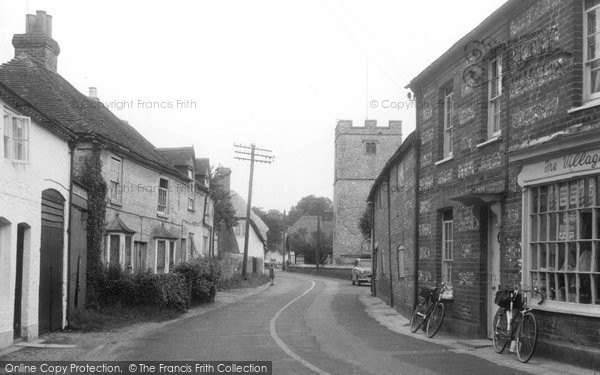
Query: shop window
(564, 246)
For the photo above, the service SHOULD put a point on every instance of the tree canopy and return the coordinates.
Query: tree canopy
(224, 212)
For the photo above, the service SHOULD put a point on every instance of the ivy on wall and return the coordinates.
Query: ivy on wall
(91, 177)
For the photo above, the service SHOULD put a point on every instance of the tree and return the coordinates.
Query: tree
(224, 212)
(365, 223)
(309, 205)
(274, 220)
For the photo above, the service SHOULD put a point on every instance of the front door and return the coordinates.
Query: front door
(21, 229)
(140, 251)
(51, 262)
(493, 269)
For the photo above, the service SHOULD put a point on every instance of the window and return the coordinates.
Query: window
(401, 254)
(116, 187)
(494, 95)
(193, 248)
(240, 229)
(128, 257)
(161, 255)
(114, 249)
(591, 49)
(120, 255)
(16, 137)
(163, 196)
(564, 247)
(448, 121)
(447, 246)
(400, 176)
(371, 147)
(172, 255)
(191, 190)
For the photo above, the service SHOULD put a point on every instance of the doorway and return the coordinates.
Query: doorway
(140, 251)
(51, 261)
(493, 278)
(22, 243)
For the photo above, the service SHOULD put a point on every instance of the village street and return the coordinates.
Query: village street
(306, 324)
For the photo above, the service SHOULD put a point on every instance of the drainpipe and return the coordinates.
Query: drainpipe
(417, 151)
(389, 238)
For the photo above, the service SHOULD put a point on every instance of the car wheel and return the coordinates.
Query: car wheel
(359, 282)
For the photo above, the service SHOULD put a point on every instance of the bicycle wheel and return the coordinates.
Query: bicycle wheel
(526, 337)
(500, 327)
(435, 319)
(416, 320)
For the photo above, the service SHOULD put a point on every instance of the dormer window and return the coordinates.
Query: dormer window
(16, 137)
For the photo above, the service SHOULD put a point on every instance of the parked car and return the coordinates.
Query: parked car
(362, 271)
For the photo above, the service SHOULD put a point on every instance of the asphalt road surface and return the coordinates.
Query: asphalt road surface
(304, 325)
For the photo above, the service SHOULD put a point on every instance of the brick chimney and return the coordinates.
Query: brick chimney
(37, 41)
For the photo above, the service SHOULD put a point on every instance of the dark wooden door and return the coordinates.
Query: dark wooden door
(77, 261)
(140, 250)
(51, 261)
(21, 228)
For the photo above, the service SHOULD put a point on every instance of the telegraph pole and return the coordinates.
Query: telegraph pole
(318, 249)
(266, 158)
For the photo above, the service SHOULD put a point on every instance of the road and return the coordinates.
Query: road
(304, 325)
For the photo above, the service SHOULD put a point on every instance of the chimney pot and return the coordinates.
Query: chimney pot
(93, 93)
(37, 41)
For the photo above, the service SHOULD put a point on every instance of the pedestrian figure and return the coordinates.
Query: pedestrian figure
(272, 274)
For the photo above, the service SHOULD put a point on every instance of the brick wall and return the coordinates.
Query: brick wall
(541, 44)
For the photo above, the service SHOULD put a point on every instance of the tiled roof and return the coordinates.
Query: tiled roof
(54, 96)
(179, 156)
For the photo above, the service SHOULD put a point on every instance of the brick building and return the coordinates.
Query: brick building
(508, 172)
(360, 153)
(393, 202)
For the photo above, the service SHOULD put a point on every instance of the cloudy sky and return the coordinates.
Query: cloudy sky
(275, 73)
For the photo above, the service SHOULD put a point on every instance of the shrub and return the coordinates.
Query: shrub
(201, 276)
(117, 288)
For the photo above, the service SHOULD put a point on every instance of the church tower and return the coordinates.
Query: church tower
(360, 154)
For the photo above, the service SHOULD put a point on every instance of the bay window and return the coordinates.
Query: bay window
(563, 258)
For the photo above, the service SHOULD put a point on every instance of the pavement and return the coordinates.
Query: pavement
(396, 322)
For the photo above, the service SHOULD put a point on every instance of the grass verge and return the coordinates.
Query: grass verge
(238, 281)
(117, 317)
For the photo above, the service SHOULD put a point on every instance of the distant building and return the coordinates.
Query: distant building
(360, 153)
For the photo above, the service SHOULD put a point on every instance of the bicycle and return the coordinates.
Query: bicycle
(430, 310)
(514, 321)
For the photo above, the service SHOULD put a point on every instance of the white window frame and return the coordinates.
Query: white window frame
(10, 142)
(192, 190)
(163, 197)
(123, 238)
(552, 267)
(587, 94)
(494, 98)
(116, 180)
(447, 246)
(192, 245)
(448, 122)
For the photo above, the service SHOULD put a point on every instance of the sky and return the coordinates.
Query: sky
(279, 74)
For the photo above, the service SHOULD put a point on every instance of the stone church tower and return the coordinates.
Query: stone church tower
(360, 154)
